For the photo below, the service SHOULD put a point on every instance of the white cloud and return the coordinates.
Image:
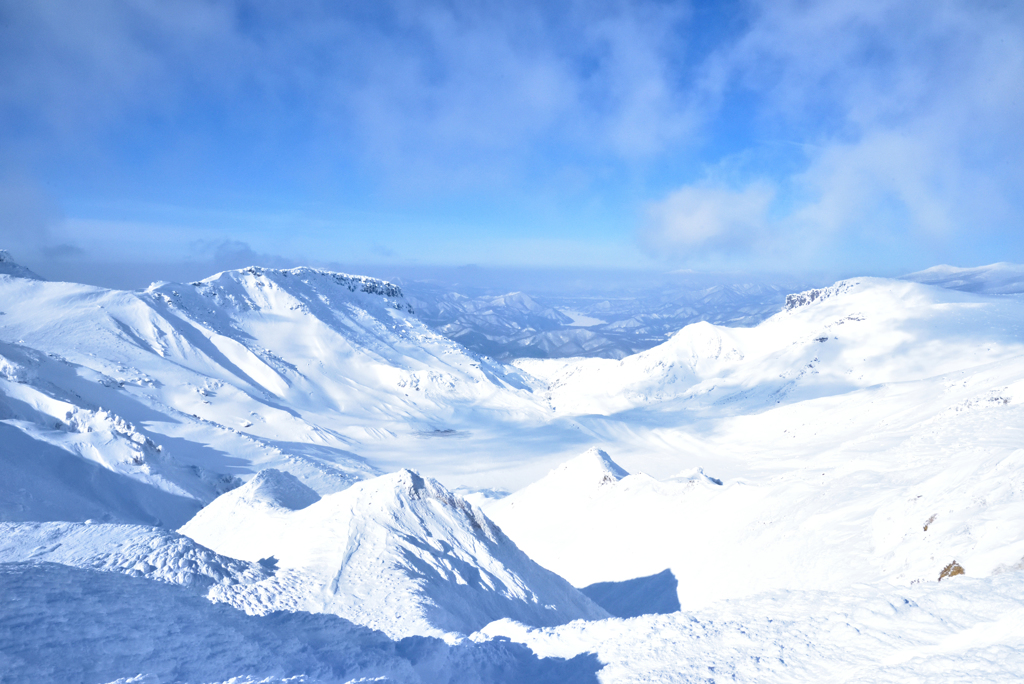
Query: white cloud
(908, 115)
(705, 216)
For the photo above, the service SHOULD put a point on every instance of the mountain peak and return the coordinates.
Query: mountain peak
(998, 278)
(397, 552)
(8, 266)
(365, 284)
(806, 297)
(272, 487)
(592, 466)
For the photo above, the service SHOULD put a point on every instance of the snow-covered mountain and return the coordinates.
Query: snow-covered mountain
(1001, 278)
(181, 389)
(867, 433)
(815, 474)
(855, 334)
(8, 266)
(398, 553)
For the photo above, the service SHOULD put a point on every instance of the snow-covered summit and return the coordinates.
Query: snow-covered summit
(593, 467)
(398, 553)
(274, 488)
(8, 266)
(999, 278)
(819, 294)
(235, 286)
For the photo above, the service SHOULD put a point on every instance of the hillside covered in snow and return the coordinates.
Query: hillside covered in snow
(836, 489)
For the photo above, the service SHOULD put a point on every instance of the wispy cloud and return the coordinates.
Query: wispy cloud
(436, 93)
(698, 217)
(913, 113)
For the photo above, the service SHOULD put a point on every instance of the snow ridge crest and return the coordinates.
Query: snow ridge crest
(417, 487)
(810, 296)
(354, 283)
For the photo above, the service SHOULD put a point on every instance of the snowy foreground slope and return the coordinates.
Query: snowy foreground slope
(76, 625)
(67, 624)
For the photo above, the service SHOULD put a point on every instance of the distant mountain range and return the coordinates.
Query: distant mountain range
(553, 325)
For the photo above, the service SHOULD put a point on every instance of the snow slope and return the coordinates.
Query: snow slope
(868, 433)
(890, 484)
(66, 624)
(397, 553)
(854, 334)
(961, 630)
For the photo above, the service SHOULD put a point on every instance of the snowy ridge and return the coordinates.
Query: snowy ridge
(857, 334)
(811, 296)
(183, 388)
(968, 630)
(398, 553)
(1001, 278)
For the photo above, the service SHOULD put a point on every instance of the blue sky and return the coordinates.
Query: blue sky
(833, 138)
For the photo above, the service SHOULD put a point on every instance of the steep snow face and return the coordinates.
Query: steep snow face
(184, 388)
(398, 553)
